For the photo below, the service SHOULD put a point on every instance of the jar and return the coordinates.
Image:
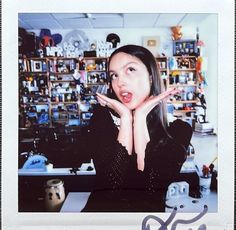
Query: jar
(54, 195)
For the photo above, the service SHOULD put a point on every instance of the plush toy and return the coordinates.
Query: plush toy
(176, 32)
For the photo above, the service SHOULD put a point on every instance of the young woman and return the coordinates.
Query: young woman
(135, 153)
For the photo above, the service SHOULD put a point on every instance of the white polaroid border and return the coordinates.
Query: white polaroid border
(12, 220)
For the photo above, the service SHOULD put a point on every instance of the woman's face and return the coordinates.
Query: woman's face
(130, 79)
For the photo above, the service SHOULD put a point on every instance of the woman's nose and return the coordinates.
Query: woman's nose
(122, 80)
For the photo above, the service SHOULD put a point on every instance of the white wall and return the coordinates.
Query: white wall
(208, 33)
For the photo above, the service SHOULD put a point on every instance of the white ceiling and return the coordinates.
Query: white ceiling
(108, 20)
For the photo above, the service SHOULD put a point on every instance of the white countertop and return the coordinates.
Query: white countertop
(57, 171)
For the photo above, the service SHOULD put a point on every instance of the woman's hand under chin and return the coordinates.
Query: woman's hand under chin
(116, 105)
(144, 109)
(125, 136)
(141, 134)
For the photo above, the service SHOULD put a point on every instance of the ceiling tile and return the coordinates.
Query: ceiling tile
(75, 23)
(194, 19)
(140, 20)
(168, 20)
(23, 24)
(68, 15)
(107, 21)
(35, 16)
(39, 24)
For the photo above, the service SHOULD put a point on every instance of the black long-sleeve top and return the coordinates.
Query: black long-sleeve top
(120, 186)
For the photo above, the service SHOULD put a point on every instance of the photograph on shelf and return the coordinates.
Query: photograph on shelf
(37, 66)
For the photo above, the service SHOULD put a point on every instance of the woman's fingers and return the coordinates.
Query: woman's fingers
(104, 100)
(152, 101)
(113, 104)
(157, 99)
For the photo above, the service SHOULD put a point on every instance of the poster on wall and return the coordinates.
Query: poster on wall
(84, 146)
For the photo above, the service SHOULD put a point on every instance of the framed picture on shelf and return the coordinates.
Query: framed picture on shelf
(37, 66)
(185, 47)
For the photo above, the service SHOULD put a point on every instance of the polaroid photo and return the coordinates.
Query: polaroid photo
(47, 176)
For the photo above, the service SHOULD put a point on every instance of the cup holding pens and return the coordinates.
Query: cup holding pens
(205, 184)
(205, 179)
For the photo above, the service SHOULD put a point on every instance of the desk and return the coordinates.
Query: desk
(75, 202)
(58, 171)
(54, 172)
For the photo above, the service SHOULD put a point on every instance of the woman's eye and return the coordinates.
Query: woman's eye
(113, 76)
(131, 69)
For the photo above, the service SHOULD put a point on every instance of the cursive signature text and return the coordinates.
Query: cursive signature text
(164, 224)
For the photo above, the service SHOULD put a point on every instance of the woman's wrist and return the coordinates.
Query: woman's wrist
(139, 117)
(126, 118)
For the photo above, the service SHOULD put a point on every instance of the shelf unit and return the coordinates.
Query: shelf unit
(183, 75)
(94, 72)
(62, 90)
(162, 65)
(58, 90)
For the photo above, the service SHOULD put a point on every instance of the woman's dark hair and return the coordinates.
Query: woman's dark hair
(158, 114)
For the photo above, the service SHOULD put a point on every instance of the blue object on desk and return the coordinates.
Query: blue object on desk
(35, 161)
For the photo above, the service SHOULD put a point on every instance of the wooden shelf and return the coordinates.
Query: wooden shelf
(184, 56)
(37, 103)
(182, 85)
(92, 84)
(95, 58)
(34, 58)
(181, 70)
(185, 111)
(60, 58)
(66, 102)
(183, 102)
(55, 81)
(61, 73)
(92, 71)
(33, 72)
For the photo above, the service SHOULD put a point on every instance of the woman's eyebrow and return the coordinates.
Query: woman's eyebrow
(130, 63)
(125, 65)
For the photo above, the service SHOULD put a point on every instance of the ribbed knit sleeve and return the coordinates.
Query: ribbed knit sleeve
(112, 166)
(163, 161)
(164, 158)
(110, 157)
